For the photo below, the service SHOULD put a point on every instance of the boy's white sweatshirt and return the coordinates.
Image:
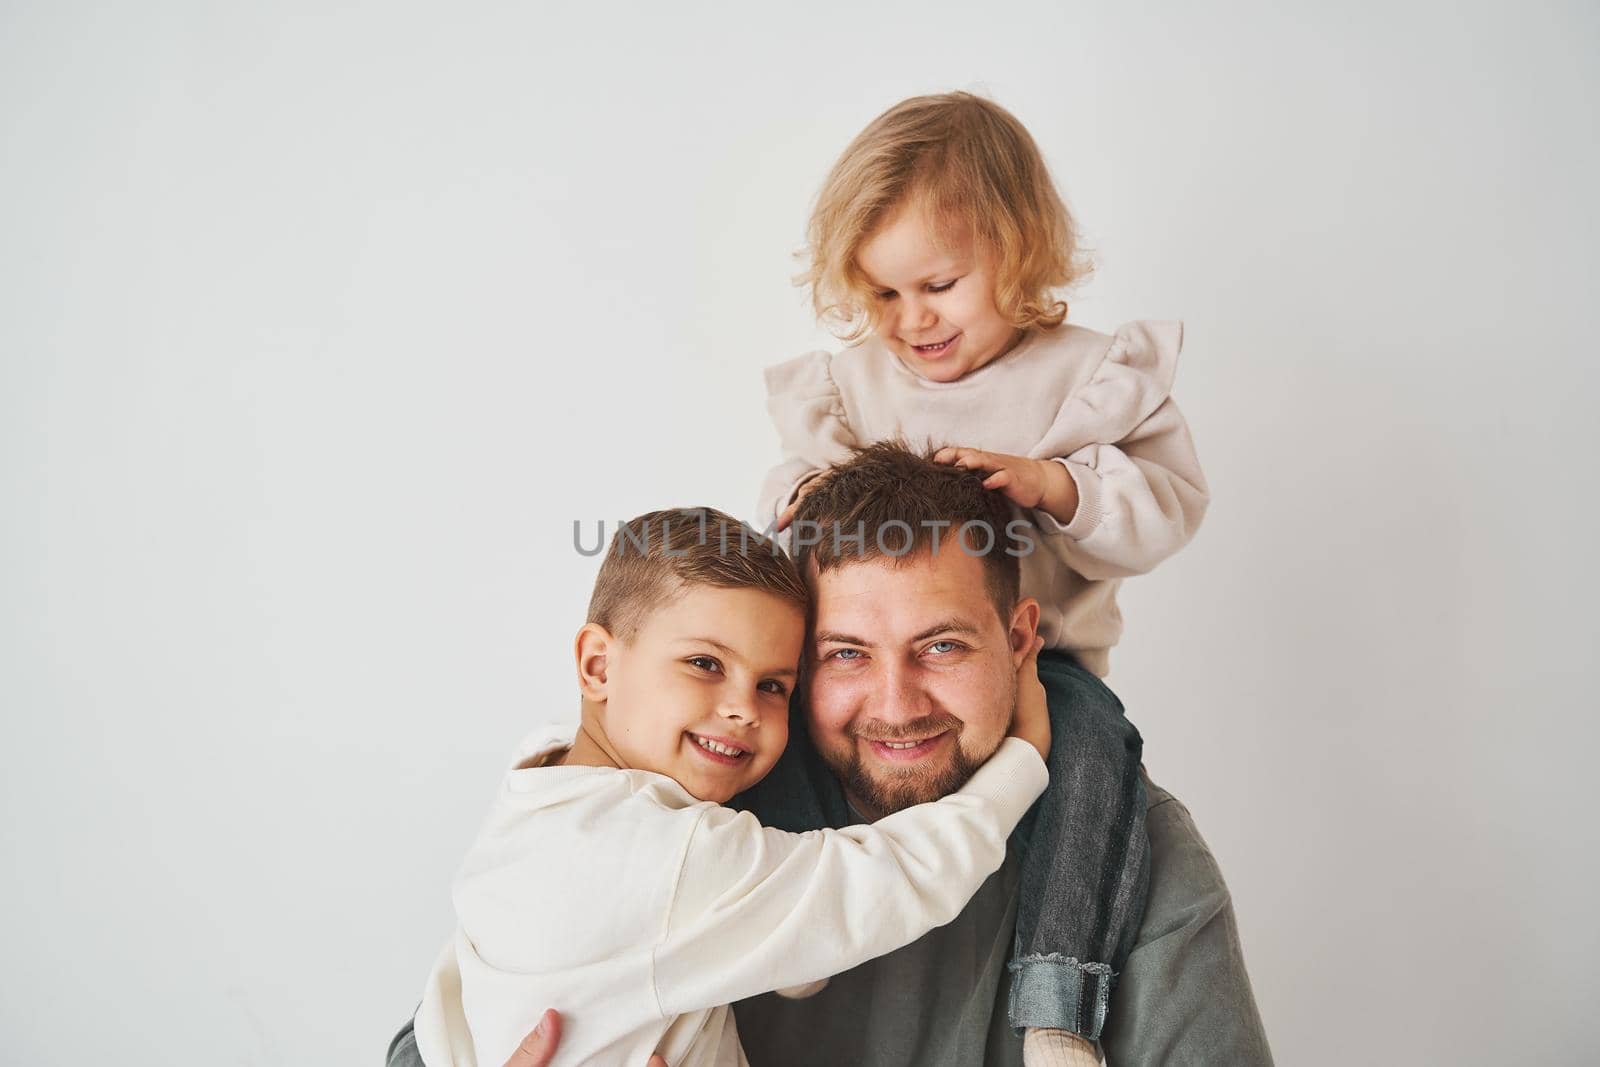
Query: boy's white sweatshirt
(1099, 404)
(640, 913)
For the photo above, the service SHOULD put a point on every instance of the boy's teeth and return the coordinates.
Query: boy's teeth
(718, 747)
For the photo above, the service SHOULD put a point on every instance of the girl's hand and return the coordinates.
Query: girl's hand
(1021, 479)
(1028, 483)
(811, 482)
(1031, 720)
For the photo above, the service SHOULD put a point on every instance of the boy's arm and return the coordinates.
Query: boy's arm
(758, 909)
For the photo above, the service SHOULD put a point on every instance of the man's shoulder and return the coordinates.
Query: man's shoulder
(1184, 874)
(1184, 993)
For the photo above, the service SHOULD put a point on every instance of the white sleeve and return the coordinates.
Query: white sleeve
(808, 411)
(758, 909)
(1141, 492)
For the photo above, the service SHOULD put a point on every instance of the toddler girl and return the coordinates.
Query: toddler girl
(937, 240)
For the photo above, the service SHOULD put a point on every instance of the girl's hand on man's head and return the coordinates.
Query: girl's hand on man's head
(1022, 480)
(810, 483)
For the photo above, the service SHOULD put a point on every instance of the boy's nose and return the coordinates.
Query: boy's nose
(740, 709)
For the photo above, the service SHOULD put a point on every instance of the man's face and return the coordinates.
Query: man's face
(912, 675)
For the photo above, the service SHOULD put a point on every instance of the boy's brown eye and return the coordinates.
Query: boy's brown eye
(705, 663)
(775, 687)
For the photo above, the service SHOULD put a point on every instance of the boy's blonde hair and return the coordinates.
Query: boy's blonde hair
(975, 172)
(655, 557)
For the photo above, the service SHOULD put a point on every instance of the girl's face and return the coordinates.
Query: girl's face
(937, 310)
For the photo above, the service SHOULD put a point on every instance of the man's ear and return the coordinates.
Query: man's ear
(592, 648)
(1024, 625)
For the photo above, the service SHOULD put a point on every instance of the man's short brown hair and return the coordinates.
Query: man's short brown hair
(889, 501)
(655, 557)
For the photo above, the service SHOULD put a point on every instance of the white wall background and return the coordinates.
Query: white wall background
(319, 324)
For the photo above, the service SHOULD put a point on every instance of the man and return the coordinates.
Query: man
(914, 645)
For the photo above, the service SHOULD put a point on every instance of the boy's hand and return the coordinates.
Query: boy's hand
(1031, 720)
(1028, 483)
(811, 482)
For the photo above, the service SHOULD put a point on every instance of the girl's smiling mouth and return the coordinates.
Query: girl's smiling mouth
(935, 351)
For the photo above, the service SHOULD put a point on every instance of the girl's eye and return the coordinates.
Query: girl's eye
(885, 296)
(942, 288)
(772, 685)
(705, 663)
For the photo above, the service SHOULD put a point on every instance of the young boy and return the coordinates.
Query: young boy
(609, 882)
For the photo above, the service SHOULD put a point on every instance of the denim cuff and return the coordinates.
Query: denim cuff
(1061, 993)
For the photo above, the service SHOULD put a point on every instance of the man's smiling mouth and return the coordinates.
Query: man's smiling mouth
(900, 751)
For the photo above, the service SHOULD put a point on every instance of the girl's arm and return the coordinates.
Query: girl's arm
(1137, 501)
(1115, 485)
(813, 433)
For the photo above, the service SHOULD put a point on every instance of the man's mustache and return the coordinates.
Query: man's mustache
(927, 726)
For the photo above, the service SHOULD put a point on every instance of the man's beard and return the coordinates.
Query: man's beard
(890, 790)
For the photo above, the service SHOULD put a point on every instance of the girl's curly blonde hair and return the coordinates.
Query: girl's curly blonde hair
(975, 172)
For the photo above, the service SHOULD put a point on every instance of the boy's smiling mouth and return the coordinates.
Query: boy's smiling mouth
(719, 749)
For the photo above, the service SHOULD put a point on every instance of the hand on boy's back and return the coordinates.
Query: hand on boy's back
(539, 1047)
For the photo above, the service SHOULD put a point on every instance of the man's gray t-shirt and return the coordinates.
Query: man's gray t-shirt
(1184, 996)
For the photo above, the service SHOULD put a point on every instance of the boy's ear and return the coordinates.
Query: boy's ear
(592, 649)
(1024, 625)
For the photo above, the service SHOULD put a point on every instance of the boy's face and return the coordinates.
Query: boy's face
(711, 670)
(928, 298)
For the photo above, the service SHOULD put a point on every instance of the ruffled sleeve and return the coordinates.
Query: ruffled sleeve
(1134, 376)
(1141, 492)
(809, 414)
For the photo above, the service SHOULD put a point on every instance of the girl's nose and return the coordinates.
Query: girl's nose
(917, 318)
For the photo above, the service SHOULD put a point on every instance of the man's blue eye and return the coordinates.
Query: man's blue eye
(841, 653)
(935, 646)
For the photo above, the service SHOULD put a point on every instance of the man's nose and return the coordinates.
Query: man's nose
(902, 696)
